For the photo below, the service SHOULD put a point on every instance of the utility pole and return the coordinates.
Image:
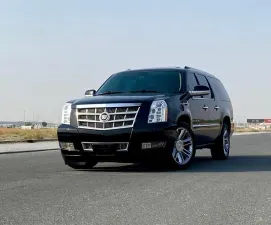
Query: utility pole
(24, 117)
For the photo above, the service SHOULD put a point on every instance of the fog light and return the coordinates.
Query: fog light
(68, 146)
(87, 146)
(153, 145)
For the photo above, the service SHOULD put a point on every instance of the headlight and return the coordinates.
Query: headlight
(158, 112)
(66, 113)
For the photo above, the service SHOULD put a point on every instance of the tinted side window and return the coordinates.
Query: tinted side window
(202, 81)
(219, 89)
(191, 81)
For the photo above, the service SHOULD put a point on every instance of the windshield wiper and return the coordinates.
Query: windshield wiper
(144, 91)
(110, 92)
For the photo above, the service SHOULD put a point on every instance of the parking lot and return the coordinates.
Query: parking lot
(37, 188)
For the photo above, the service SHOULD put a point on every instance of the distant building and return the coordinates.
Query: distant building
(27, 127)
(7, 125)
(19, 124)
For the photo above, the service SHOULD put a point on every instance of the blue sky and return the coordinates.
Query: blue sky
(52, 51)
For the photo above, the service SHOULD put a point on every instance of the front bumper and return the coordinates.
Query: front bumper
(140, 143)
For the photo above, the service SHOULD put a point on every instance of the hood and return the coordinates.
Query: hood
(102, 99)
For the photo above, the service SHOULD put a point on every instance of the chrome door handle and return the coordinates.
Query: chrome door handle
(216, 107)
(205, 107)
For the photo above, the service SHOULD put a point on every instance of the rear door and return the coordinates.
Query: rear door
(200, 113)
(208, 106)
(222, 102)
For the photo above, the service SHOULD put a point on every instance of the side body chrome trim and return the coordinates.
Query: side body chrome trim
(200, 125)
(214, 124)
(206, 125)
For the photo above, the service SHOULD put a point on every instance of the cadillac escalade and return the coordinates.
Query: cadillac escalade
(159, 114)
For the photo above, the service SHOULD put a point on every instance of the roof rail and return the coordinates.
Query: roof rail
(189, 67)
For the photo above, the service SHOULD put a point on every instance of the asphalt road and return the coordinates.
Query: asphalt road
(37, 188)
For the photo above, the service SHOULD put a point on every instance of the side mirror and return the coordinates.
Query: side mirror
(200, 90)
(90, 93)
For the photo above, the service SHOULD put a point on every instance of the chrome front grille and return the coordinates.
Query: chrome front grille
(106, 116)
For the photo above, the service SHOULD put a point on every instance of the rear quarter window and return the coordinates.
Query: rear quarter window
(220, 90)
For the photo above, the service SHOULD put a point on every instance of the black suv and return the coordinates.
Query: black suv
(160, 114)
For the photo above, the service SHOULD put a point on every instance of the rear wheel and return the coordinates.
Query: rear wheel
(221, 149)
(183, 150)
(86, 165)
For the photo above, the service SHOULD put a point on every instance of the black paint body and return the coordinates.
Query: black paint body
(205, 123)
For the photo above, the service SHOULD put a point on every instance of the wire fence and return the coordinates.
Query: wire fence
(257, 126)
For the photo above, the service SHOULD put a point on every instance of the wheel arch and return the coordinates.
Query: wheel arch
(186, 119)
(226, 120)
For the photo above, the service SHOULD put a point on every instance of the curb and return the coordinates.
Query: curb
(27, 151)
(27, 141)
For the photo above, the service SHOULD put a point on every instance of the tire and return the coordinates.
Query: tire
(182, 152)
(88, 165)
(221, 149)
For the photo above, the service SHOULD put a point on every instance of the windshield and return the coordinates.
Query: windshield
(143, 81)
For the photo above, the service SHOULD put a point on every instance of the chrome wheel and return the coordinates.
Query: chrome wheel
(226, 142)
(183, 147)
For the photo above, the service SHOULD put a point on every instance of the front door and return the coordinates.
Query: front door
(199, 108)
(213, 110)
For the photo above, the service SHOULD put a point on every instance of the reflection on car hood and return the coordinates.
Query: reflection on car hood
(127, 98)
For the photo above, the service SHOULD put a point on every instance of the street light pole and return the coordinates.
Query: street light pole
(24, 117)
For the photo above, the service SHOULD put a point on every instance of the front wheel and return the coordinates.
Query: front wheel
(183, 150)
(221, 149)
